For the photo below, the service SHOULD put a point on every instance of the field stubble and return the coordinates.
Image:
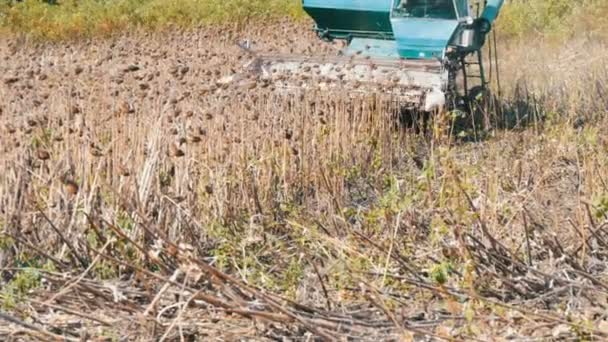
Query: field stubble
(140, 200)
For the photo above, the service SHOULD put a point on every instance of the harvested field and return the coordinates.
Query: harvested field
(141, 200)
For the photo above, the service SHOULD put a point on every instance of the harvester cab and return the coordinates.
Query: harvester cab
(426, 54)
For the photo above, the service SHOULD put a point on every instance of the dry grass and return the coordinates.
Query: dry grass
(139, 200)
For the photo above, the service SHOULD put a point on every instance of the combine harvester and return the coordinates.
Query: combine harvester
(425, 54)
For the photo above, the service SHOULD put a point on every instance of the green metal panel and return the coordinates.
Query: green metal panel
(423, 38)
(462, 8)
(491, 10)
(373, 48)
(354, 18)
(423, 28)
(341, 23)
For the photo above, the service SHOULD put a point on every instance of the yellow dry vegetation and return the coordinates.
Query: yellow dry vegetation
(561, 19)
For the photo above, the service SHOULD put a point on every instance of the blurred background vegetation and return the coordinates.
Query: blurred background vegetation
(77, 18)
(554, 18)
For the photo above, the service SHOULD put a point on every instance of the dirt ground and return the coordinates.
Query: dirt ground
(153, 202)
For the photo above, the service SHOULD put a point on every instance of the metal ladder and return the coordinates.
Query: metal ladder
(480, 72)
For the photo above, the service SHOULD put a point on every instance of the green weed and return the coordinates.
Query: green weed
(18, 287)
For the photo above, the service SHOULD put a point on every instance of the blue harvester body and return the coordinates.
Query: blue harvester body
(426, 54)
(413, 29)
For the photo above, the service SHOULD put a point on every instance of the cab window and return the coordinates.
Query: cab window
(438, 9)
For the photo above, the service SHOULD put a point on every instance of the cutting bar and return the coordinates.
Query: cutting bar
(416, 83)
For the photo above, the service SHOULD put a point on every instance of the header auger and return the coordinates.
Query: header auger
(427, 54)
